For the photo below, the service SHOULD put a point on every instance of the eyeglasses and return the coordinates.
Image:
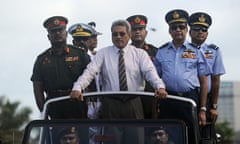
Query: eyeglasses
(175, 27)
(115, 34)
(197, 29)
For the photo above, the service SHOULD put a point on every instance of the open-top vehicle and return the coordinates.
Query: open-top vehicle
(180, 129)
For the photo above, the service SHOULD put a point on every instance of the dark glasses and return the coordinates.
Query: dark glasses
(175, 27)
(115, 34)
(197, 29)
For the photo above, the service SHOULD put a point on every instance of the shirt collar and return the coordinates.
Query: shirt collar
(125, 49)
(184, 45)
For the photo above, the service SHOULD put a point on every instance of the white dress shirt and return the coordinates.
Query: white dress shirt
(138, 67)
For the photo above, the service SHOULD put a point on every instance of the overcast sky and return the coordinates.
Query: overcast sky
(23, 36)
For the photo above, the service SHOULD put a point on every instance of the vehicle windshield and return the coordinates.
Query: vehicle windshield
(80, 131)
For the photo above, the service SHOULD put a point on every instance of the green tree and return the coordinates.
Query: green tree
(12, 121)
(226, 132)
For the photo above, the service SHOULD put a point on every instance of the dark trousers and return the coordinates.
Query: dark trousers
(68, 110)
(194, 95)
(208, 132)
(148, 103)
(116, 108)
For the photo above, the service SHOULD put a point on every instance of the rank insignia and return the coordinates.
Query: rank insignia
(208, 54)
(189, 53)
(69, 59)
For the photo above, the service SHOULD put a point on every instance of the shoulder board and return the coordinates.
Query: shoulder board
(164, 45)
(194, 45)
(213, 46)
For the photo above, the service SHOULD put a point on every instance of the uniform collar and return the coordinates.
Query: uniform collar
(62, 51)
(184, 45)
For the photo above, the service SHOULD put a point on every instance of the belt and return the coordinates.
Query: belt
(57, 93)
(182, 93)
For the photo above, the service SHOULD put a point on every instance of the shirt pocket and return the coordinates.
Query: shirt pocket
(189, 64)
(75, 68)
(166, 65)
(49, 73)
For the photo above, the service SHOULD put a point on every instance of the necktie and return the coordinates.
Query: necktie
(122, 72)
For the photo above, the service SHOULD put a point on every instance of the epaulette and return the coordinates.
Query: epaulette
(194, 45)
(213, 46)
(164, 45)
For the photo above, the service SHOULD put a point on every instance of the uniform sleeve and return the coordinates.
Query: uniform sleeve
(218, 67)
(36, 75)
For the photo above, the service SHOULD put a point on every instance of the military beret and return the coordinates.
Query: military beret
(82, 30)
(176, 15)
(55, 22)
(137, 20)
(65, 131)
(200, 18)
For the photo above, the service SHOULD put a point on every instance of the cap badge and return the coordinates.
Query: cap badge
(176, 15)
(202, 18)
(79, 29)
(56, 22)
(137, 20)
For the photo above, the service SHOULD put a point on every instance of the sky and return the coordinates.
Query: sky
(23, 36)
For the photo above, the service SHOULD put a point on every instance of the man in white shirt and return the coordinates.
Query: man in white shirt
(139, 67)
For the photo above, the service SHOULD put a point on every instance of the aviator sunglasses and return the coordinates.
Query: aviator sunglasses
(115, 34)
(175, 27)
(197, 29)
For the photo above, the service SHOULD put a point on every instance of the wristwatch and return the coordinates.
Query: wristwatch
(214, 106)
(203, 109)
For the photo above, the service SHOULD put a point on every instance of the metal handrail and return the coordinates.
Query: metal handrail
(97, 94)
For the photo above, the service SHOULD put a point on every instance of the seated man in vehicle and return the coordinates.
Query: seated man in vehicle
(160, 136)
(68, 136)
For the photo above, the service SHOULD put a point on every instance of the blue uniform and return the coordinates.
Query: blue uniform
(180, 68)
(214, 59)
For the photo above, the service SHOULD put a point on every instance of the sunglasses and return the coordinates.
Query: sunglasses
(175, 27)
(197, 29)
(115, 34)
